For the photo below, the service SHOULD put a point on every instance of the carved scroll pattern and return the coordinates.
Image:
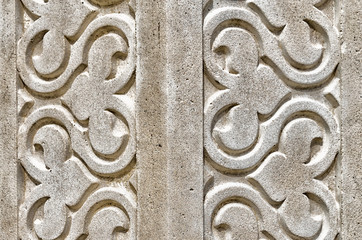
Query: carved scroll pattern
(271, 129)
(76, 63)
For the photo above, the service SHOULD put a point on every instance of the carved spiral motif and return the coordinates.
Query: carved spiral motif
(115, 206)
(46, 59)
(91, 97)
(231, 143)
(287, 177)
(54, 164)
(77, 120)
(270, 120)
(308, 72)
(268, 136)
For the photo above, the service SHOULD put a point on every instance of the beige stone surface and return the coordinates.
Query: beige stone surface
(151, 131)
(184, 119)
(271, 120)
(180, 119)
(8, 130)
(351, 120)
(77, 128)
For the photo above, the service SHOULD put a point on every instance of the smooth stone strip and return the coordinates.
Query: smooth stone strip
(151, 134)
(169, 119)
(185, 119)
(8, 121)
(351, 72)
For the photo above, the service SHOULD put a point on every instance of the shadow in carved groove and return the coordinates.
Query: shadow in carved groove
(271, 129)
(76, 63)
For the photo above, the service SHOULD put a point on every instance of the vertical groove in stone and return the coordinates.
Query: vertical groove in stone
(151, 121)
(8, 129)
(351, 73)
(184, 119)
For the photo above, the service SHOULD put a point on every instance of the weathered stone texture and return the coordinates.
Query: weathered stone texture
(151, 122)
(180, 119)
(8, 131)
(271, 120)
(77, 129)
(351, 120)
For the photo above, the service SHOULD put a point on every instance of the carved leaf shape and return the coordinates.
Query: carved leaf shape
(55, 143)
(67, 16)
(289, 17)
(238, 129)
(238, 221)
(274, 176)
(240, 62)
(279, 12)
(50, 54)
(116, 220)
(298, 47)
(100, 57)
(90, 90)
(284, 172)
(107, 132)
(65, 185)
(82, 98)
(75, 179)
(273, 89)
(295, 213)
(53, 223)
(297, 138)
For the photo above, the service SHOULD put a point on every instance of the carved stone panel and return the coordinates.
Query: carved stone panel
(271, 120)
(180, 119)
(76, 105)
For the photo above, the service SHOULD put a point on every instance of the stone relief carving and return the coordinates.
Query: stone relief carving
(76, 62)
(271, 128)
(271, 120)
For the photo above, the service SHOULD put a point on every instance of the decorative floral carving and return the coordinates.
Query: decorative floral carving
(91, 96)
(285, 171)
(77, 127)
(270, 119)
(284, 175)
(238, 129)
(44, 50)
(63, 182)
(295, 20)
(237, 221)
(115, 206)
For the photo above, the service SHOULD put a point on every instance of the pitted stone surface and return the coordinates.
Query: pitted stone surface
(180, 119)
(271, 119)
(77, 133)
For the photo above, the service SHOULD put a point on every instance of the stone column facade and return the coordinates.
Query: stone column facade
(181, 119)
